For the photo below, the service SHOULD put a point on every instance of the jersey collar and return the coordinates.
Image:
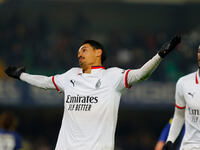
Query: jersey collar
(197, 77)
(94, 70)
(97, 67)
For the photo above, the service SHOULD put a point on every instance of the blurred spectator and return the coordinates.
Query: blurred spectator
(9, 138)
(164, 134)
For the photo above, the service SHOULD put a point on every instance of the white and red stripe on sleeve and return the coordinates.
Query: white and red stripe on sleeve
(126, 79)
(53, 80)
(179, 107)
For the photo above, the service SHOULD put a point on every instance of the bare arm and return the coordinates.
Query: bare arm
(159, 145)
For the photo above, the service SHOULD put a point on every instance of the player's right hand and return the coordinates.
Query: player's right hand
(168, 146)
(14, 71)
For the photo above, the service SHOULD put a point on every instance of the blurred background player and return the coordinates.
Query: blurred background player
(164, 134)
(92, 95)
(187, 108)
(9, 138)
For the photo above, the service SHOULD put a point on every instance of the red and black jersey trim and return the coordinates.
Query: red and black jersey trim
(126, 77)
(179, 107)
(53, 80)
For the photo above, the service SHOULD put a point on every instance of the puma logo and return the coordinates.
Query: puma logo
(191, 94)
(73, 82)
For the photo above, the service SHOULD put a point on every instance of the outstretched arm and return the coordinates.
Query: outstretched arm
(36, 80)
(146, 70)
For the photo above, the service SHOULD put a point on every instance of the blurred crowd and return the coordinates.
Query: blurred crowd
(46, 51)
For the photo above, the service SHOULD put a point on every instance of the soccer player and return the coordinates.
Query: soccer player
(187, 108)
(164, 134)
(9, 138)
(91, 95)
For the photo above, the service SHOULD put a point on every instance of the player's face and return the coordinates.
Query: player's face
(87, 55)
(198, 54)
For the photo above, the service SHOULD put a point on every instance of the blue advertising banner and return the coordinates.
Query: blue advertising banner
(18, 93)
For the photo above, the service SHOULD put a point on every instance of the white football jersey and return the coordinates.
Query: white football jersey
(188, 98)
(91, 104)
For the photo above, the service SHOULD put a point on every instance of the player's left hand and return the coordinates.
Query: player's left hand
(169, 46)
(168, 146)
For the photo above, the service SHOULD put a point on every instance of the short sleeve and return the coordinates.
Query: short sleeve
(179, 96)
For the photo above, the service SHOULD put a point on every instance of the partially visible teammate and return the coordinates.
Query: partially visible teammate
(164, 134)
(9, 138)
(92, 95)
(187, 108)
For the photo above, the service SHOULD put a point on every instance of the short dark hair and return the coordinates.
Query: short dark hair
(97, 45)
